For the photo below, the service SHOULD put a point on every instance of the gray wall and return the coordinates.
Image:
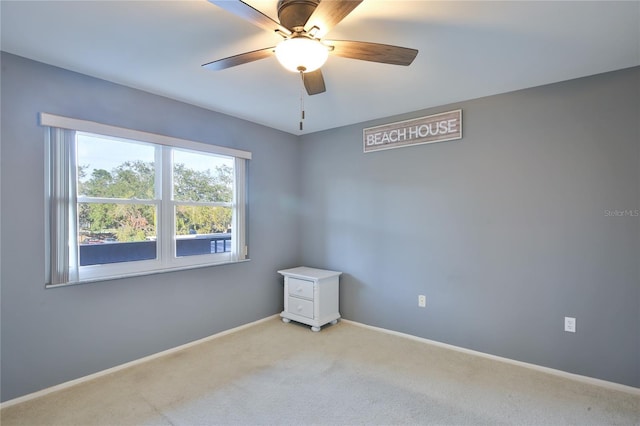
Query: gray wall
(51, 336)
(504, 231)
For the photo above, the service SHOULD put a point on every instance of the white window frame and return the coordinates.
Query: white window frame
(62, 246)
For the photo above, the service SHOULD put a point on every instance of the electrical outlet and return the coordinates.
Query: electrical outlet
(570, 324)
(422, 301)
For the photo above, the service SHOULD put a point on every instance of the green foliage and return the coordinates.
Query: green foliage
(135, 180)
(131, 179)
(202, 219)
(195, 185)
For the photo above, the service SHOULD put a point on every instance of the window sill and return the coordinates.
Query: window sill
(142, 274)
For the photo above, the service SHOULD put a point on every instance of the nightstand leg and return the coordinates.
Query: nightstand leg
(286, 320)
(316, 329)
(334, 322)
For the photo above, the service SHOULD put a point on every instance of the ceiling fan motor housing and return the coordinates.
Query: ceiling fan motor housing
(294, 14)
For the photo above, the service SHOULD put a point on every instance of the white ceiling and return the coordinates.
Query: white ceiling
(467, 50)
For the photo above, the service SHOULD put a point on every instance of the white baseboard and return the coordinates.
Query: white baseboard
(102, 373)
(584, 379)
(560, 373)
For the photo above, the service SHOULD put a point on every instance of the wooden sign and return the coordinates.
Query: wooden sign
(442, 127)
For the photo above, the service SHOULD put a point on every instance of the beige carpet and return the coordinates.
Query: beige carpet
(275, 373)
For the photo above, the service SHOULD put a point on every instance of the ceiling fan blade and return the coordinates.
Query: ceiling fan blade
(245, 11)
(314, 82)
(240, 59)
(373, 52)
(328, 14)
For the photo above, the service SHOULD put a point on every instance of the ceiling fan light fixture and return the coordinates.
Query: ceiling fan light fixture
(302, 54)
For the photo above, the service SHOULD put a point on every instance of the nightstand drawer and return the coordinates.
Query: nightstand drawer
(300, 307)
(300, 288)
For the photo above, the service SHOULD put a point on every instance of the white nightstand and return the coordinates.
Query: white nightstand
(310, 296)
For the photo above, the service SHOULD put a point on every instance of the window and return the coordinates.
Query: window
(123, 202)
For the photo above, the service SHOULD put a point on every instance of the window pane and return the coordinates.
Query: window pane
(202, 230)
(111, 233)
(202, 177)
(114, 168)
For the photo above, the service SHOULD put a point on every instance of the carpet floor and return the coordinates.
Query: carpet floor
(279, 374)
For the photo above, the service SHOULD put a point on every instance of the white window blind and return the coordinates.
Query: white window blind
(63, 265)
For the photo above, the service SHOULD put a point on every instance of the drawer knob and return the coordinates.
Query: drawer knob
(299, 289)
(299, 308)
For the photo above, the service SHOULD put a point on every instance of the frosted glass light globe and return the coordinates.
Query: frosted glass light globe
(301, 54)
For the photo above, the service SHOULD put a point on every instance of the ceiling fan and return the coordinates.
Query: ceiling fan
(303, 24)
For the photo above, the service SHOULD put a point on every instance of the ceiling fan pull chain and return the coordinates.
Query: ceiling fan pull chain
(301, 100)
